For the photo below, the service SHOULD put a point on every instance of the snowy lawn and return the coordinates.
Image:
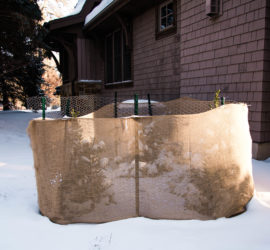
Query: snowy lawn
(22, 227)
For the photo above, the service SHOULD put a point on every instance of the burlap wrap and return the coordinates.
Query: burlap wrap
(167, 167)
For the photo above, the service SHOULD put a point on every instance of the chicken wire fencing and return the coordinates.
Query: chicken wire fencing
(118, 106)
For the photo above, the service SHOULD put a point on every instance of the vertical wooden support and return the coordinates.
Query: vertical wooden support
(149, 105)
(136, 106)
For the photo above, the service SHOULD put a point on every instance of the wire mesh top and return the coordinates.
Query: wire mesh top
(108, 107)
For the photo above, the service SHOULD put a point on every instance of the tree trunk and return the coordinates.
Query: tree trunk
(6, 105)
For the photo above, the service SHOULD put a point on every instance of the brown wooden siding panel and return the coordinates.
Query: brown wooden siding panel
(206, 55)
(226, 53)
(156, 62)
(80, 58)
(87, 68)
(85, 61)
(265, 107)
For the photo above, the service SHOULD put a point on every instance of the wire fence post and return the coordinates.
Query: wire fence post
(43, 100)
(68, 107)
(136, 104)
(149, 105)
(222, 100)
(115, 105)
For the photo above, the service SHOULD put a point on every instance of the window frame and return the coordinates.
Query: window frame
(168, 30)
(122, 66)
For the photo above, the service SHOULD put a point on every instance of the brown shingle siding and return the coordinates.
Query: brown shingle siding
(156, 62)
(266, 81)
(231, 52)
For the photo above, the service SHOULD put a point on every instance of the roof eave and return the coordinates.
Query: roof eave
(108, 11)
(65, 21)
(73, 19)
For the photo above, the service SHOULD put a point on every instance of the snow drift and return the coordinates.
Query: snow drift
(194, 166)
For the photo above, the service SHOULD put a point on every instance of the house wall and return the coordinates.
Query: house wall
(206, 55)
(231, 53)
(265, 107)
(86, 68)
(90, 64)
(156, 63)
(90, 67)
(262, 149)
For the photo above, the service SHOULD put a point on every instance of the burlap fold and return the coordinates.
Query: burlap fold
(194, 166)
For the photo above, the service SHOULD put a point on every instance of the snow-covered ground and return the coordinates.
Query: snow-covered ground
(23, 228)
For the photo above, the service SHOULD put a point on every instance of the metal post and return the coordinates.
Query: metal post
(222, 100)
(68, 107)
(137, 169)
(115, 105)
(43, 100)
(136, 105)
(149, 105)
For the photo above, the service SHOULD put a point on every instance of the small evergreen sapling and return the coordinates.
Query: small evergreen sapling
(74, 114)
(216, 100)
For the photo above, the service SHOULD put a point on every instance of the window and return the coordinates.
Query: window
(118, 58)
(166, 18)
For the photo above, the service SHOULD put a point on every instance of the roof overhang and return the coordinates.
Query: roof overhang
(127, 8)
(78, 18)
(105, 20)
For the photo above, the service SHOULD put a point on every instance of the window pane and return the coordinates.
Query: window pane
(170, 8)
(109, 59)
(117, 56)
(163, 11)
(170, 20)
(163, 23)
(127, 61)
(127, 65)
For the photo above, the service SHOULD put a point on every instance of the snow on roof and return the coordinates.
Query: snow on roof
(78, 7)
(97, 10)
